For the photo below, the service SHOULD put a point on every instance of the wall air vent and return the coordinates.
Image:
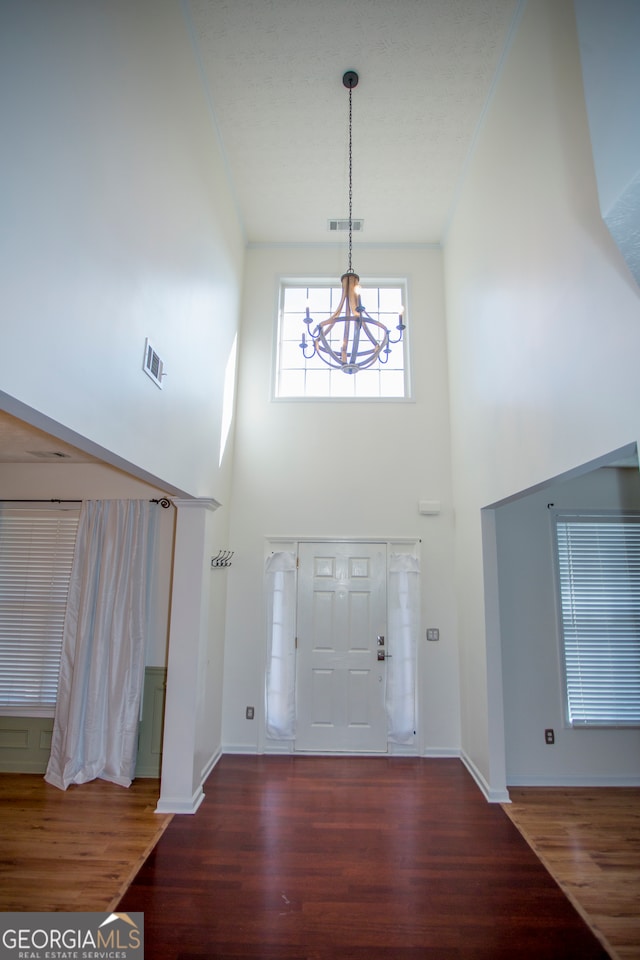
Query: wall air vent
(153, 365)
(343, 225)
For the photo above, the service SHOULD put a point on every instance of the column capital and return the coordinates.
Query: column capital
(198, 503)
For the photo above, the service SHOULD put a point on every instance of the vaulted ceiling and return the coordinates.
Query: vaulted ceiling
(272, 73)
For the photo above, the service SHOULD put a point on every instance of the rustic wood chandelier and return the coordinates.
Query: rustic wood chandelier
(349, 340)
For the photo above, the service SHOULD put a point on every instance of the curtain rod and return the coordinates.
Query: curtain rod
(163, 501)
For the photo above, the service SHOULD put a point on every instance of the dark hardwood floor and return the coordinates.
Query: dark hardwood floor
(361, 858)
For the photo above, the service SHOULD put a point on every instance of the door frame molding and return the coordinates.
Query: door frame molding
(409, 545)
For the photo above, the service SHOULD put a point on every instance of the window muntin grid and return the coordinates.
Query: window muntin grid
(299, 378)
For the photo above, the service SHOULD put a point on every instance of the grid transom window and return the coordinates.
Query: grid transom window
(297, 377)
(598, 563)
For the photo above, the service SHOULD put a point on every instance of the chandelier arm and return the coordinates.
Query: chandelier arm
(328, 323)
(329, 357)
(326, 354)
(346, 298)
(322, 344)
(353, 356)
(336, 313)
(353, 300)
(370, 356)
(401, 327)
(345, 338)
(370, 322)
(369, 362)
(325, 327)
(330, 362)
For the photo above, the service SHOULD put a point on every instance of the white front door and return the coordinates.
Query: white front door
(341, 630)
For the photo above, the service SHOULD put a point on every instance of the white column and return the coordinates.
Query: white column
(496, 788)
(181, 785)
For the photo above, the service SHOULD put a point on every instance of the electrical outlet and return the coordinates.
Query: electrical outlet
(433, 633)
(249, 713)
(549, 736)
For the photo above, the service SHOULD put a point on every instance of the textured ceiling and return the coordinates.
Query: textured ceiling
(274, 74)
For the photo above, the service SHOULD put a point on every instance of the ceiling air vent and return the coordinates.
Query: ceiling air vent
(49, 454)
(153, 365)
(343, 225)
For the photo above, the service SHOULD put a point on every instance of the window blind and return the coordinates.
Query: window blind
(36, 554)
(599, 578)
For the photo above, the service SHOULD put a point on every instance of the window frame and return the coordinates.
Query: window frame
(37, 708)
(332, 282)
(583, 722)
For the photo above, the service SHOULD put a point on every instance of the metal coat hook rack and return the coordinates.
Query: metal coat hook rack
(222, 558)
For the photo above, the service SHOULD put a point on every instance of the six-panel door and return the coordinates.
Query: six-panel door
(340, 678)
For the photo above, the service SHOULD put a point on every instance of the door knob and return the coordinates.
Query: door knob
(383, 656)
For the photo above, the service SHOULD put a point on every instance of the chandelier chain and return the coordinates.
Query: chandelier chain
(350, 181)
(351, 340)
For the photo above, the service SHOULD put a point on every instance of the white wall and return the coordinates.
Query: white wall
(543, 328)
(342, 470)
(531, 662)
(117, 225)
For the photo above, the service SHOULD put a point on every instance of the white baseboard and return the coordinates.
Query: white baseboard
(402, 750)
(564, 781)
(278, 747)
(395, 750)
(492, 795)
(180, 804)
(208, 767)
(241, 748)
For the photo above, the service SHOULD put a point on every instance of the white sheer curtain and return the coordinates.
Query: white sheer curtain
(281, 652)
(95, 730)
(404, 620)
